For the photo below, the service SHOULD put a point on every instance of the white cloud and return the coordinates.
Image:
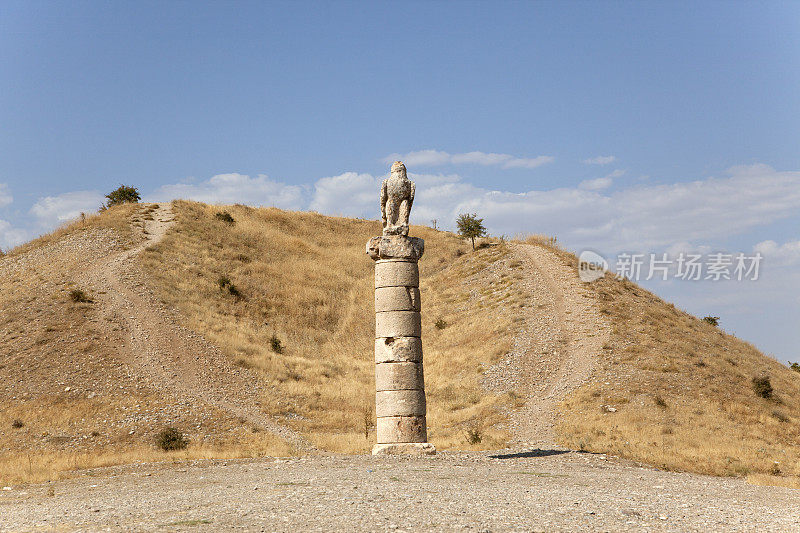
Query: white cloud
(782, 254)
(354, 194)
(54, 210)
(600, 160)
(346, 194)
(601, 183)
(5, 195)
(11, 236)
(235, 188)
(638, 218)
(428, 158)
(596, 184)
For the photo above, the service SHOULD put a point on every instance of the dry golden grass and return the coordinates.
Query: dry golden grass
(37, 466)
(681, 387)
(683, 393)
(66, 398)
(300, 277)
(304, 278)
(122, 219)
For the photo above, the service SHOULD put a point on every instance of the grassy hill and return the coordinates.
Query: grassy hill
(304, 279)
(685, 394)
(287, 298)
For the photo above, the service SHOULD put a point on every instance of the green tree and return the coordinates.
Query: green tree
(470, 226)
(123, 195)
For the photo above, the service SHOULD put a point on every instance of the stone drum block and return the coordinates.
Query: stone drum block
(398, 349)
(398, 324)
(390, 273)
(400, 403)
(397, 299)
(399, 376)
(401, 429)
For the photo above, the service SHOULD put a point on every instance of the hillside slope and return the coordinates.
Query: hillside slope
(253, 335)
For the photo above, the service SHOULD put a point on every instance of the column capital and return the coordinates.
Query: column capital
(395, 247)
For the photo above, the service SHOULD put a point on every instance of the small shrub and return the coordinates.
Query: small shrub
(762, 386)
(795, 367)
(123, 195)
(700, 363)
(234, 291)
(78, 296)
(170, 438)
(775, 469)
(276, 345)
(660, 401)
(470, 227)
(713, 320)
(224, 216)
(459, 253)
(440, 323)
(779, 416)
(474, 435)
(224, 283)
(17, 423)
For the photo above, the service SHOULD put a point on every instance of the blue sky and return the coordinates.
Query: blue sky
(617, 126)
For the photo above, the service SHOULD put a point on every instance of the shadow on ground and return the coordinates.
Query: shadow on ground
(530, 453)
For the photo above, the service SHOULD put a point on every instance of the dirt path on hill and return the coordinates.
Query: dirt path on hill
(169, 357)
(557, 350)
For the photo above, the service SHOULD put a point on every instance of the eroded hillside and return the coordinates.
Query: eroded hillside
(250, 330)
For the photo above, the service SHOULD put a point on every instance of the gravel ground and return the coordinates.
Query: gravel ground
(534, 490)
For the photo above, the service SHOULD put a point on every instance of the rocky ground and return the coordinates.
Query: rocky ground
(536, 490)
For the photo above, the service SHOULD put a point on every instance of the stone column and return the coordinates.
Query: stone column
(399, 383)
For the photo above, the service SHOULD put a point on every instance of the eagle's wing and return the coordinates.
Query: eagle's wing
(384, 197)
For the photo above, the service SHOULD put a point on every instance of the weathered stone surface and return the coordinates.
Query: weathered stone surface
(397, 197)
(398, 349)
(404, 448)
(400, 403)
(397, 299)
(396, 273)
(399, 376)
(395, 247)
(399, 382)
(401, 429)
(398, 324)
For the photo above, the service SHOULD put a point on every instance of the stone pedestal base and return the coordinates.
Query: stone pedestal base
(404, 448)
